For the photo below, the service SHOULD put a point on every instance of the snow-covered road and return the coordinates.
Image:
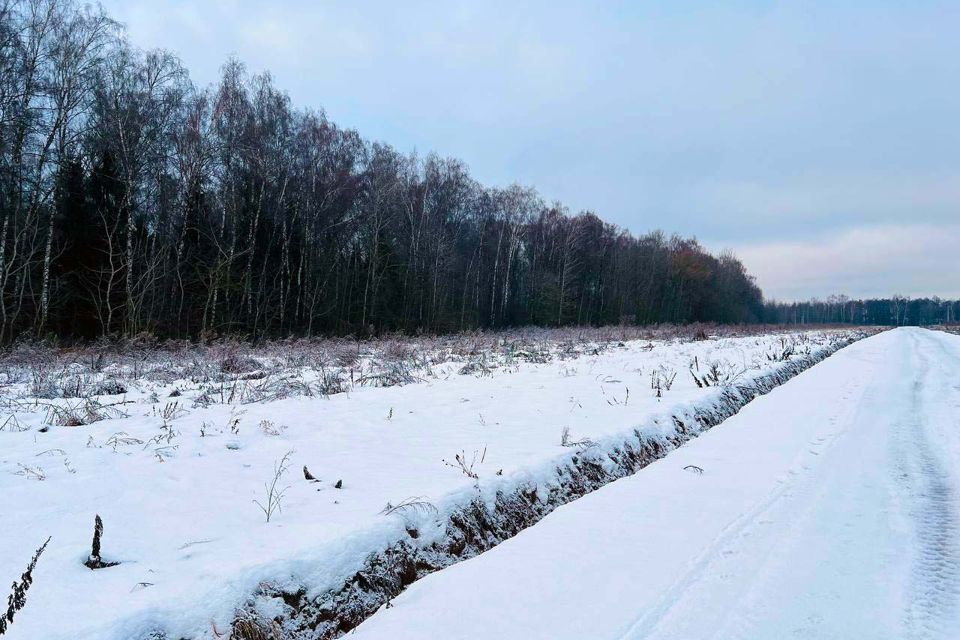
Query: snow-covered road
(829, 508)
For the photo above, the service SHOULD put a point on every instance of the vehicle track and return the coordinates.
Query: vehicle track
(934, 588)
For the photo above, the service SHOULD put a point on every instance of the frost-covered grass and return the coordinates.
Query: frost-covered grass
(197, 458)
(949, 328)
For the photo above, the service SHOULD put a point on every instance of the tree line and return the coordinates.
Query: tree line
(132, 200)
(895, 311)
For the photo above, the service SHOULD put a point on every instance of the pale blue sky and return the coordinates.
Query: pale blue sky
(818, 140)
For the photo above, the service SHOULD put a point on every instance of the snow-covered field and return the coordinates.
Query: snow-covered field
(176, 451)
(829, 508)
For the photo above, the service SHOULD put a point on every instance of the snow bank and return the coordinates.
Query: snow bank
(494, 511)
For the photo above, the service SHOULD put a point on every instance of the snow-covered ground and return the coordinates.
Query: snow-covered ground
(176, 464)
(829, 508)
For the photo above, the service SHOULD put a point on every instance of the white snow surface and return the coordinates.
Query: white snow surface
(829, 508)
(179, 513)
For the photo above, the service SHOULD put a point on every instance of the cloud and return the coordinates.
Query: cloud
(908, 259)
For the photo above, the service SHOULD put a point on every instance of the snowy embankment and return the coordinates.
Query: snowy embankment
(829, 508)
(409, 479)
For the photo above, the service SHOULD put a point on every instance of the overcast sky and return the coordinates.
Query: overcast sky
(818, 140)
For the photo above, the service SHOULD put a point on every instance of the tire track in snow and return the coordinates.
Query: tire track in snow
(796, 482)
(905, 404)
(934, 588)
